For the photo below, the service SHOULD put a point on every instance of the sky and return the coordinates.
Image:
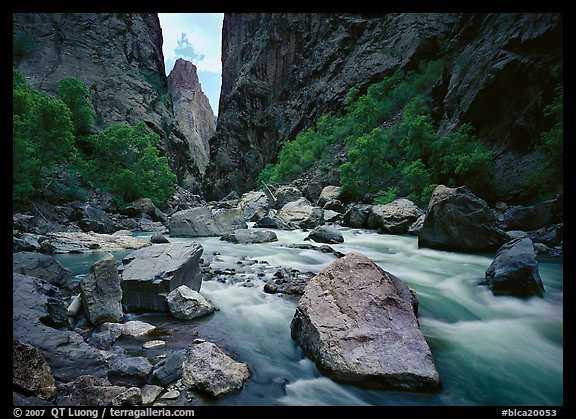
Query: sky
(196, 37)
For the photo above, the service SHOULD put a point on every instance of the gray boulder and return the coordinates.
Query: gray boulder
(42, 266)
(357, 216)
(417, 225)
(31, 374)
(208, 369)
(286, 194)
(514, 270)
(533, 217)
(358, 323)
(101, 292)
(65, 351)
(150, 274)
(169, 369)
(150, 393)
(245, 236)
(25, 242)
(86, 390)
(302, 213)
(129, 370)
(273, 221)
(329, 193)
(205, 221)
(457, 220)
(395, 217)
(92, 218)
(80, 242)
(144, 206)
(187, 304)
(325, 234)
(158, 238)
(254, 205)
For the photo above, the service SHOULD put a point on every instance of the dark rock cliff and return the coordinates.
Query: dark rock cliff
(282, 71)
(192, 110)
(119, 58)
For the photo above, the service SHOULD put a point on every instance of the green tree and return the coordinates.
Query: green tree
(74, 94)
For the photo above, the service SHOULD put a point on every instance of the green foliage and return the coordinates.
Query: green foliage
(123, 160)
(74, 94)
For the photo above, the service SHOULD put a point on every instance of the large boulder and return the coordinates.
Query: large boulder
(273, 221)
(31, 375)
(92, 218)
(169, 369)
(150, 274)
(302, 213)
(514, 270)
(205, 221)
(158, 238)
(248, 235)
(129, 370)
(42, 266)
(357, 216)
(65, 351)
(458, 220)
(208, 369)
(285, 194)
(325, 234)
(254, 205)
(395, 217)
(187, 304)
(144, 206)
(91, 391)
(533, 217)
(358, 323)
(329, 193)
(80, 242)
(101, 292)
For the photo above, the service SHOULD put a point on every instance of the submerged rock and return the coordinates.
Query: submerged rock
(358, 323)
(514, 270)
(205, 221)
(31, 374)
(187, 304)
(245, 236)
(208, 369)
(150, 274)
(458, 220)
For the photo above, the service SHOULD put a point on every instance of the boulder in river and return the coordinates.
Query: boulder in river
(514, 270)
(31, 374)
(273, 221)
(254, 205)
(329, 193)
(169, 369)
(87, 390)
(205, 221)
(395, 217)
(78, 242)
(150, 274)
(129, 370)
(358, 323)
(158, 238)
(285, 194)
(101, 292)
(325, 234)
(42, 266)
(458, 220)
(144, 206)
(207, 368)
(302, 213)
(357, 216)
(187, 304)
(249, 235)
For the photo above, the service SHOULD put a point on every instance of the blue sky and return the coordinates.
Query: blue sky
(196, 37)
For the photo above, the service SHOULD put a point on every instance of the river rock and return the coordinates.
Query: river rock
(514, 270)
(395, 217)
(254, 205)
(65, 351)
(270, 288)
(285, 194)
(91, 218)
(158, 238)
(302, 213)
(144, 206)
(275, 222)
(329, 193)
(90, 391)
(358, 323)
(136, 328)
(208, 369)
(129, 370)
(150, 274)
(205, 221)
(21, 400)
(325, 234)
(458, 220)
(323, 248)
(533, 217)
(187, 304)
(42, 266)
(77, 242)
(150, 393)
(31, 374)
(416, 226)
(154, 344)
(170, 369)
(249, 235)
(101, 292)
(357, 216)
(334, 205)
(25, 242)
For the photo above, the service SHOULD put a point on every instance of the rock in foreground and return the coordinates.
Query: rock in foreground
(358, 323)
(30, 372)
(514, 270)
(150, 274)
(208, 369)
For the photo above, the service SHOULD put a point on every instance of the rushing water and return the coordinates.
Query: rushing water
(488, 350)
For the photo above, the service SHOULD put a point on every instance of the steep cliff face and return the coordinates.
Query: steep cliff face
(119, 58)
(192, 110)
(282, 71)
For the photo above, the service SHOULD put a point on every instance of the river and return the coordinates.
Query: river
(488, 350)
